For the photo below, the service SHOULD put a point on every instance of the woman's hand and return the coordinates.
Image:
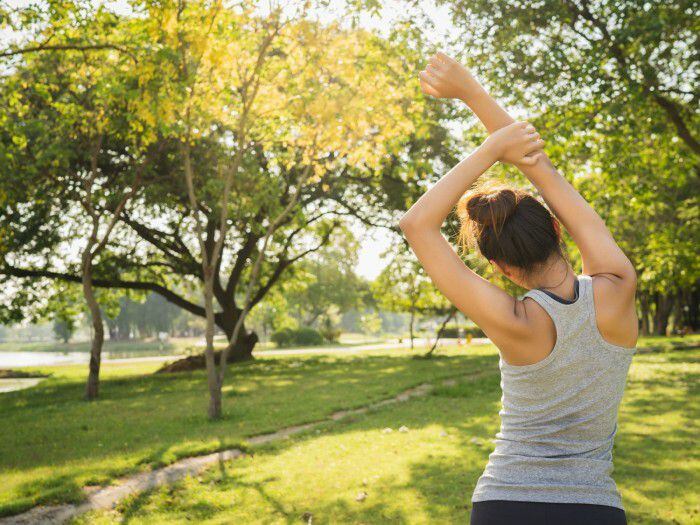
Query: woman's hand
(444, 77)
(517, 143)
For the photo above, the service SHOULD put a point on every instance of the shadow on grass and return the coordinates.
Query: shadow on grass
(156, 419)
(59, 489)
(443, 483)
(650, 457)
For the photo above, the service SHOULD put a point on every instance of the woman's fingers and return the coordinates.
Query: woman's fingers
(533, 145)
(437, 64)
(531, 160)
(433, 70)
(428, 89)
(443, 57)
(429, 78)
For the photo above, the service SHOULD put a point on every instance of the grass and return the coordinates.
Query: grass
(657, 343)
(57, 443)
(426, 475)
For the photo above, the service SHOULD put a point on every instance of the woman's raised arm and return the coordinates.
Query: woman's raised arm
(446, 78)
(602, 258)
(494, 310)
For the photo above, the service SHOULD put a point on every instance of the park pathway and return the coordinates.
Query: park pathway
(108, 497)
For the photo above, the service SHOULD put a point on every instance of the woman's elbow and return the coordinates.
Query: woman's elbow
(630, 274)
(408, 223)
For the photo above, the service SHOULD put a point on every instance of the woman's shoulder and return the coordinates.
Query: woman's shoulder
(615, 309)
(536, 341)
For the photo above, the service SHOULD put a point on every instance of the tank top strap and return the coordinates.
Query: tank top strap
(566, 315)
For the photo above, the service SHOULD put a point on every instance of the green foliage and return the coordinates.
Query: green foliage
(329, 329)
(64, 329)
(453, 331)
(334, 112)
(303, 336)
(143, 319)
(403, 286)
(371, 322)
(325, 281)
(612, 86)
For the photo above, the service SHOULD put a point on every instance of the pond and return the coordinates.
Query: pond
(24, 359)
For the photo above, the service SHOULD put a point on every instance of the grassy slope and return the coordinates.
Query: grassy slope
(427, 474)
(58, 444)
(54, 443)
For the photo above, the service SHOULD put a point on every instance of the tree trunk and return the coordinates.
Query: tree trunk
(410, 326)
(663, 310)
(243, 349)
(92, 386)
(677, 318)
(214, 411)
(693, 312)
(447, 319)
(645, 327)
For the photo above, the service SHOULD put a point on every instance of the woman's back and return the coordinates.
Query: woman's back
(559, 415)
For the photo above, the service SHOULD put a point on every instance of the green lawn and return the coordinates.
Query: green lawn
(58, 443)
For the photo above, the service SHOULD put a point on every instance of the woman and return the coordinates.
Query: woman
(565, 346)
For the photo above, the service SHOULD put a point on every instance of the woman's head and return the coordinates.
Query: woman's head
(511, 228)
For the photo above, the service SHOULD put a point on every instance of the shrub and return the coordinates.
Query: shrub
(331, 334)
(451, 331)
(304, 336)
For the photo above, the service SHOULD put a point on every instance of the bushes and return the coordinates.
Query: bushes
(451, 331)
(332, 335)
(304, 336)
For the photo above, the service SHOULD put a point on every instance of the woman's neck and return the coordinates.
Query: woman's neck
(557, 277)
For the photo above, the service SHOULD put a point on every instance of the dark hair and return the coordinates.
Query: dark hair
(508, 225)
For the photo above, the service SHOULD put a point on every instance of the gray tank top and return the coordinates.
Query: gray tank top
(559, 415)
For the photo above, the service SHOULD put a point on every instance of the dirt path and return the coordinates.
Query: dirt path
(108, 497)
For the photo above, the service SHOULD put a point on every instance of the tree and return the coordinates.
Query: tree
(87, 100)
(403, 286)
(325, 281)
(322, 121)
(352, 71)
(64, 329)
(370, 322)
(613, 87)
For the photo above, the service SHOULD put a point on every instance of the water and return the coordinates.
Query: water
(168, 353)
(24, 359)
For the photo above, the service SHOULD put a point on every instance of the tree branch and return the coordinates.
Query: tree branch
(66, 47)
(167, 294)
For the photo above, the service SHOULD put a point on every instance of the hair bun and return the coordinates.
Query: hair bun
(492, 208)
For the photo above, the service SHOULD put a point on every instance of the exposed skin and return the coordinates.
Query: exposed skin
(521, 329)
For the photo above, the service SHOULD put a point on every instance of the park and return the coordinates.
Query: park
(210, 310)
